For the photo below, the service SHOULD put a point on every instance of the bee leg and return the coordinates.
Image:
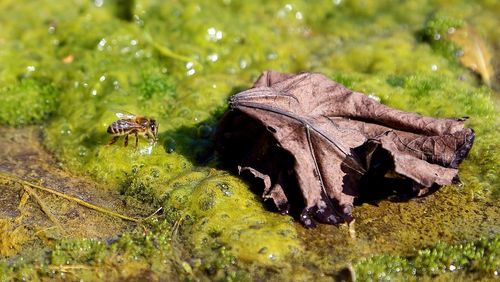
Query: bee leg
(151, 139)
(126, 140)
(113, 140)
(136, 140)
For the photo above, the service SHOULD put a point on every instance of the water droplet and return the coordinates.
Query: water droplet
(65, 130)
(189, 65)
(102, 78)
(214, 34)
(299, 16)
(138, 20)
(82, 151)
(147, 150)
(374, 97)
(437, 36)
(434, 67)
(98, 3)
(213, 57)
(139, 53)
(125, 50)
(30, 68)
(133, 42)
(243, 64)
(271, 56)
(101, 44)
(190, 72)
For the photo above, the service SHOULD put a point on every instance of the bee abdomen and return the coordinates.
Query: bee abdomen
(115, 129)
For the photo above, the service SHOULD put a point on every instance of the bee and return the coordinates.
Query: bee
(128, 124)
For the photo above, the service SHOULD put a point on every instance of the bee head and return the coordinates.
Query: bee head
(153, 126)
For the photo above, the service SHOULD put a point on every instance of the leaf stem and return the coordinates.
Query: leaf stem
(42, 205)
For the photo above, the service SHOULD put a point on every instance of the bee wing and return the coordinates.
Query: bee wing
(125, 124)
(124, 115)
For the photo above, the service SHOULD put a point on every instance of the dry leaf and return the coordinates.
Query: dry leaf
(474, 53)
(309, 139)
(68, 59)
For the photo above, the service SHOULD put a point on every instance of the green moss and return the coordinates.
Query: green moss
(179, 63)
(480, 258)
(155, 85)
(154, 249)
(435, 32)
(209, 199)
(252, 234)
(28, 101)
(92, 259)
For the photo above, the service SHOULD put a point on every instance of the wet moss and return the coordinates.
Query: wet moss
(155, 85)
(93, 259)
(436, 31)
(29, 100)
(179, 63)
(206, 201)
(252, 235)
(479, 258)
(78, 136)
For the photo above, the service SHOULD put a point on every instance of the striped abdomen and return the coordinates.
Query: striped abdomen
(122, 127)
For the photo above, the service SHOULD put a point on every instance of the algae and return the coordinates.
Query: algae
(12, 236)
(70, 67)
(481, 258)
(28, 101)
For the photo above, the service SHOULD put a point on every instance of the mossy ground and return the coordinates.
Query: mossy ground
(70, 67)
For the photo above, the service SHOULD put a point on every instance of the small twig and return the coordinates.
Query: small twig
(24, 199)
(71, 269)
(70, 198)
(44, 229)
(352, 229)
(44, 208)
(151, 215)
(176, 226)
(66, 268)
(177, 260)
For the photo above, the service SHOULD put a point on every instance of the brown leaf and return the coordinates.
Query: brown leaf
(307, 137)
(475, 55)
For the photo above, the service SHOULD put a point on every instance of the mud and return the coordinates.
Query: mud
(24, 157)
